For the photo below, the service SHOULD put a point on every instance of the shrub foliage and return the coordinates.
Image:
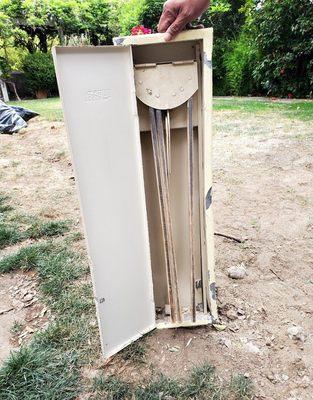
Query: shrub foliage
(283, 30)
(260, 46)
(39, 71)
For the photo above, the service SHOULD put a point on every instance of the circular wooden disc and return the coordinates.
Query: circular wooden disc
(166, 86)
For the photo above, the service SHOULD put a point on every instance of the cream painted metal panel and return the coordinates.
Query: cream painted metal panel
(98, 96)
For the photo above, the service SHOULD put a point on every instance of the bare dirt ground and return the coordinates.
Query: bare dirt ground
(263, 191)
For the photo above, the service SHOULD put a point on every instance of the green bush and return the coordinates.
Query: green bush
(283, 30)
(4, 68)
(151, 13)
(124, 15)
(227, 18)
(240, 63)
(39, 72)
(221, 49)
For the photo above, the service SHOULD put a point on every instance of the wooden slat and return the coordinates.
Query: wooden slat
(168, 141)
(160, 184)
(168, 225)
(190, 139)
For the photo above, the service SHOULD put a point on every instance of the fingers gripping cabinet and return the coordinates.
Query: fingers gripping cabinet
(138, 117)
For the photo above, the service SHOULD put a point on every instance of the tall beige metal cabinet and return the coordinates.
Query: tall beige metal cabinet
(138, 117)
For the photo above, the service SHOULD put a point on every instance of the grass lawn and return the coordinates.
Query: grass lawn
(51, 109)
(293, 109)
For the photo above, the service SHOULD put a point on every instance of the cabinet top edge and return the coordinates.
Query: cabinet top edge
(154, 38)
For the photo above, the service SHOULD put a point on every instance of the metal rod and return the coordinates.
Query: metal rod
(168, 140)
(190, 140)
(168, 226)
(204, 268)
(162, 199)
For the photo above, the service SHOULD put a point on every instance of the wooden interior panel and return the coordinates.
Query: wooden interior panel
(164, 52)
(179, 209)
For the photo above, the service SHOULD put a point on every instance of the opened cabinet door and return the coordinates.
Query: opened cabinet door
(98, 95)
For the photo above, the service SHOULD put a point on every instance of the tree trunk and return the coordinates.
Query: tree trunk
(41, 34)
(94, 39)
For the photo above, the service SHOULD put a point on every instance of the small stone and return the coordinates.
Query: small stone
(296, 333)
(231, 314)
(6, 310)
(28, 297)
(305, 382)
(167, 309)
(252, 348)
(234, 328)
(219, 327)
(43, 311)
(225, 342)
(237, 271)
(284, 377)
(271, 377)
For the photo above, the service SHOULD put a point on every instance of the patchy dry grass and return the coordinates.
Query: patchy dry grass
(17, 229)
(37, 372)
(4, 206)
(136, 352)
(202, 384)
(49, 367)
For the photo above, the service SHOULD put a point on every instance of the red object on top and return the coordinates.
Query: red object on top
(140, 30)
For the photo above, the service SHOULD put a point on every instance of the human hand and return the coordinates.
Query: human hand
(178, 13)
